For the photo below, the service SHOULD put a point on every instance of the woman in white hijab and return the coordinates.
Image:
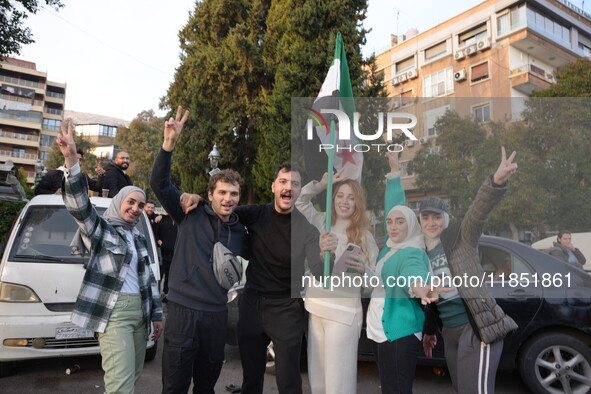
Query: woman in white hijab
(395, 319)
(119, 297)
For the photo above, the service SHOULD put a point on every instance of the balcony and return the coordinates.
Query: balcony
(10, 138)
(53, 111)
(529, 77)
(18, 157)
(28, 119)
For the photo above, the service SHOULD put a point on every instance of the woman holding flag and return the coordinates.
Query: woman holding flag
(336, 315)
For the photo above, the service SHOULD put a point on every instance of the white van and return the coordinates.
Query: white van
(40, 276)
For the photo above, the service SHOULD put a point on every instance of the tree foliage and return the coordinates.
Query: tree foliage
(142, 140)
(13, 32)
(551, 187)
(573, 80)
(55, 158)
(241, 63)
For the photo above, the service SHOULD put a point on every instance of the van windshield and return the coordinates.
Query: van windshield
(46, 235)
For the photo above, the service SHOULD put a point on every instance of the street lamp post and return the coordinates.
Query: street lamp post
(214, 158)
(39, 171)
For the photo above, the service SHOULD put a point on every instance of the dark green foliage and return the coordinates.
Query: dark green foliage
(573, 80)
(241, 63)
(13, 32)
(142, 140)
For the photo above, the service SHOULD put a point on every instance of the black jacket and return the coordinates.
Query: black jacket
(52, 181)
(192, 281)
(115, 179)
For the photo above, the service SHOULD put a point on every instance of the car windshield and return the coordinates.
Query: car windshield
(47, 235)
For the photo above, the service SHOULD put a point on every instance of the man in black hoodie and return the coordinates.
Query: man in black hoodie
(196, 321)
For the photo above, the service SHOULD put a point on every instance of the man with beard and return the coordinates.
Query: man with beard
(115, 176)
(280, 239)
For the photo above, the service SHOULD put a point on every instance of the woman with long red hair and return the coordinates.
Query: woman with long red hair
(336, 315)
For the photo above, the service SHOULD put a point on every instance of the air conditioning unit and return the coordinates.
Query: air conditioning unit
(471, 50)
(409, 143)
(402, 77)
(483, 44)
(459, 55)
(460, 75)
(395, 81)
(412, 74)
(396, 104)
(423, 140)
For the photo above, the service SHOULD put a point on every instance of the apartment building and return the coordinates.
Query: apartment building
(100, 130)
(482, 63)
(31, 111)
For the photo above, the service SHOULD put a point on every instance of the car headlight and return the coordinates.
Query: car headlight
(9, 292)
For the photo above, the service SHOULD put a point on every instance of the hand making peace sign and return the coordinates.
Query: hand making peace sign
(172, 129)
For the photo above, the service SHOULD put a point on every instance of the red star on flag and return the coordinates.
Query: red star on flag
(346, 156)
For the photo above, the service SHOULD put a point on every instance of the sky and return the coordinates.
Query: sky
(118, 57)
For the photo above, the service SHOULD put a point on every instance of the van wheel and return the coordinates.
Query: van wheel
(6, 368)
(151, 352)
(556, 363)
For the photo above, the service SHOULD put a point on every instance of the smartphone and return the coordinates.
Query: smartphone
(350, 251)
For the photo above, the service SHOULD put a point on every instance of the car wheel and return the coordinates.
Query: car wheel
(151, 352)
(556, 363)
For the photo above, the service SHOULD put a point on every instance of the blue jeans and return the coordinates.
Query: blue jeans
(397, 361)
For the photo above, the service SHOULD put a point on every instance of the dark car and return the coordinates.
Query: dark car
(551, 303)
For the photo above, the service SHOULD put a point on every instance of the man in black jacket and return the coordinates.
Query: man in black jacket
(51, 183)
(115, 176)
(197, 314)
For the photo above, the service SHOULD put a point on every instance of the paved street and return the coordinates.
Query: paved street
(48, 376)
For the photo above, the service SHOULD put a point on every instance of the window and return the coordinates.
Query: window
(435, 51)
(481, 113)
(405, 65)
(439, 83)
(43, 155)
(51, 124)
(471, 36)
(431, 117)
(547, 26)
(406, 98)
(513, 19)
(18, 152)
(46, 140)
(479, 72)
(404, 168)
(584, 45)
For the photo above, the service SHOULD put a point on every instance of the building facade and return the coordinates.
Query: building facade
(31, 112)
(482, 63)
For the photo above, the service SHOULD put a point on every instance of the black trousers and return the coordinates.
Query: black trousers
(193, 348)
(260, 321)
(397, 361)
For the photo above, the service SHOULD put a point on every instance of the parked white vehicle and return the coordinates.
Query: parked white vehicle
(40, 276)
(582, 241)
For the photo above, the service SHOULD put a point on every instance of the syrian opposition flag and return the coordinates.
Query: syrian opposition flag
(336, 93)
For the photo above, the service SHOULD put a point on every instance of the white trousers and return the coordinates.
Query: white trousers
(332, 355)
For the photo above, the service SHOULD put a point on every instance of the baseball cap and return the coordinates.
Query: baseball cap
(434, 204)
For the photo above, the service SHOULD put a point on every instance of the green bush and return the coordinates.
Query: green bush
(8, 212)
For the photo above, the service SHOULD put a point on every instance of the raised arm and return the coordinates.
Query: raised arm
(75, 194)
(304, 201)
(488, 196)
(394, 192)
(165, 191)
